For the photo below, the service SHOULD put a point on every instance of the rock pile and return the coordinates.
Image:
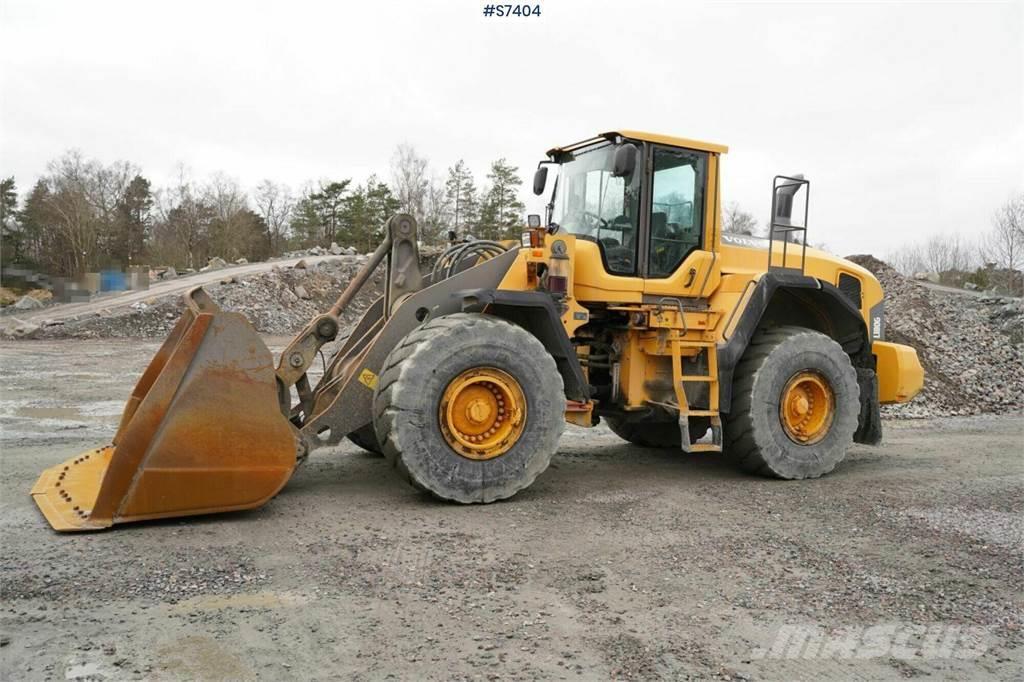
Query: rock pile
(333, 250)
(971, 345)
(280, 301)
(215, 263)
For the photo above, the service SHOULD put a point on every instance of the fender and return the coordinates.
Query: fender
(833, 314)
(535, 311)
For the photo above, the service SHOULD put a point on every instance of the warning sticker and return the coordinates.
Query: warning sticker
(368, 379)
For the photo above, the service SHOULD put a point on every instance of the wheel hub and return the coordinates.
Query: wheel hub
(482, 413)
(807, 407)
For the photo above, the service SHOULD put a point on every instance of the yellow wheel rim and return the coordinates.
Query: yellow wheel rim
(807, 407)
(482, 413)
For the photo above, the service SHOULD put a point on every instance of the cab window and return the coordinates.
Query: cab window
(594, 205)
(677, 208)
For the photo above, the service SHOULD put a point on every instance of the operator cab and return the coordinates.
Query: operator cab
(641, 198)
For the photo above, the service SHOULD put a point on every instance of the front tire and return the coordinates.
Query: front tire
(795, 404)
(469, 407)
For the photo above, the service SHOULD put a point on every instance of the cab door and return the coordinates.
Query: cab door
(677, 256)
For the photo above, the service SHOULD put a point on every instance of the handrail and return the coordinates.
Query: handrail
(735, 308)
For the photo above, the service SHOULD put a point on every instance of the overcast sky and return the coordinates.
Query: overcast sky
(908, 118)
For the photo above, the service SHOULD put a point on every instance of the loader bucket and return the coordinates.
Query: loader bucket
(203, 432)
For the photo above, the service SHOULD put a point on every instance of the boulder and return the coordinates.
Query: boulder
(350, 251)
(971, 286)
(301, 292)
(169, 273)
(301, 264)
(215, 263)
(28, 303)
(335, 249)
(932, 277)
(20, 329)
(241, 261)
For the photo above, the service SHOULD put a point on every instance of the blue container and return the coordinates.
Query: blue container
(113, 280)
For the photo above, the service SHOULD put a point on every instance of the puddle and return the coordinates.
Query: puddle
(48, 412)
(90, 670)
(103, 408)
(268, 600)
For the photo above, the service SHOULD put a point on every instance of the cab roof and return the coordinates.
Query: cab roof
(644, 137)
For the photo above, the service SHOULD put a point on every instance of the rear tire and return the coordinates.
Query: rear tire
(754, 429)
(424, 365)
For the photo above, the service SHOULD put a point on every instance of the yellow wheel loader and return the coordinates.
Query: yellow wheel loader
(626, 302)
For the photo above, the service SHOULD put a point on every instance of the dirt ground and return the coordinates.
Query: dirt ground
(618, 562)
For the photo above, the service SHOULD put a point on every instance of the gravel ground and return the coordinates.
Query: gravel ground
(618, 563)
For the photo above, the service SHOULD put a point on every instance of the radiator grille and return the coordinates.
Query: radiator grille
(850, 286)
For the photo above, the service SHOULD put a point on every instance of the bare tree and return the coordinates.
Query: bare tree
(232, 231)
(908, 259)
(184, 221)
(275, 203)
(410, 181)
(83, 198)
(437, 212)
(1004, 245)
(948, 255)
(737, 221)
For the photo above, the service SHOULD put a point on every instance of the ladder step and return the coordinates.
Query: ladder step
(702, 413)
(705, 447)
(697, 377)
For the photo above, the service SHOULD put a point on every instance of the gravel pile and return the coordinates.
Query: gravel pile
(971, 346)
(279, 302)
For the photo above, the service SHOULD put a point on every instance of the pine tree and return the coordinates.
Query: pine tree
(132, 222)
(305, 222)
(11, 238)
(329, 203)
(381, 204)
(355, 219)
(460, 192)
(501, 211)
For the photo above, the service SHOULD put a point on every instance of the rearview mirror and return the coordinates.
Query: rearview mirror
(784, 194)
(625, 160)
(540, 180)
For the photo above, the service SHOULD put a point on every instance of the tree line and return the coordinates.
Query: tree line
(993, 260)
(83, 215)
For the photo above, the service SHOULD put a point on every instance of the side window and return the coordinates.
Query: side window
(677, 208)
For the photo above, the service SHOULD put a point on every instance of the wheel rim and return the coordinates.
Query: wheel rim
(807, 407)
(482, 413)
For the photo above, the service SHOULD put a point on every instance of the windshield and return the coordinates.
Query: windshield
(593, 205)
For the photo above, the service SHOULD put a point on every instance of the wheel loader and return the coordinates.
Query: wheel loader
(625, 303)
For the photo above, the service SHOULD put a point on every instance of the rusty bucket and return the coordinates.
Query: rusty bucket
(203, 432)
